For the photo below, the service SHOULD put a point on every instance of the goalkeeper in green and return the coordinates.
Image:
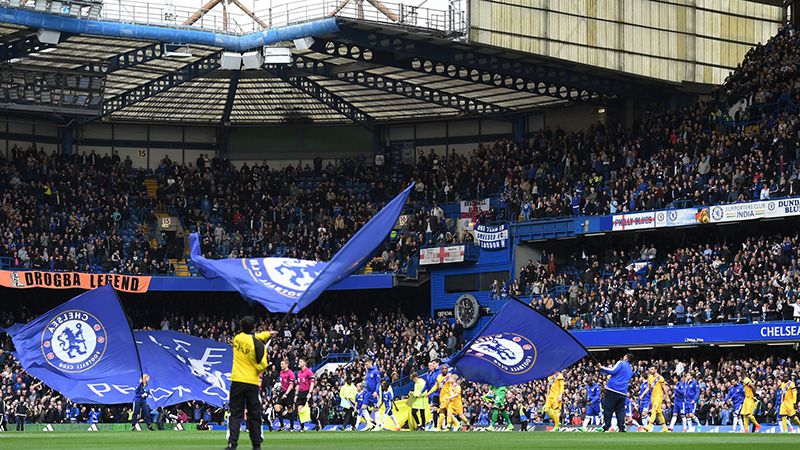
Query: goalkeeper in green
(497, 398)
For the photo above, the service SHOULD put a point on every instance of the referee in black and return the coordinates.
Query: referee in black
(249, 361)
(617, 391)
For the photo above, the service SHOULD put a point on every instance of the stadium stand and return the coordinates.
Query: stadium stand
(91, 213)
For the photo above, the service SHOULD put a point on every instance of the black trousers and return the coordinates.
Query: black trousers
(418, 414)
(348, 417)
(141, 409)
(20, 423)
(244, 396)
(614, 403)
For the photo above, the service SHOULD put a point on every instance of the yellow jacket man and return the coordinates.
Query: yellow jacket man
(347, 394)
(249, 361)
(420, 400)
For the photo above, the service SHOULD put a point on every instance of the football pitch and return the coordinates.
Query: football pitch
(386, 440)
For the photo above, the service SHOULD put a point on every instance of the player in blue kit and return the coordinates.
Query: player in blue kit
(362, 408)
(691, 397)
(372, 387)
(644, 399)
(735, 397)
(387, 399)
(594, 411)
(678, 403)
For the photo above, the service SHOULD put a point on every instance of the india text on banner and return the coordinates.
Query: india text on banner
(518, 345)
(25, 279)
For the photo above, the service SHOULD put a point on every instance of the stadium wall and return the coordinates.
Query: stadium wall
(145, 144)
(463, 135)
(24, 132)
(299, 142)
(492, 264)
(675, 40)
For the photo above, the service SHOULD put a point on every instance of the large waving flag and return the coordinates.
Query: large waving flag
(280, 283)
(81, 348)
(184, 368)
(86, 351)
(518, 345)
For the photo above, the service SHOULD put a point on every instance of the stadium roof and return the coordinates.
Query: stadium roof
(366, 72)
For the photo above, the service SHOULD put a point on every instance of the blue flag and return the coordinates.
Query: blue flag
(518, 345)
(279, 283)
(183, 368)
(79, 345)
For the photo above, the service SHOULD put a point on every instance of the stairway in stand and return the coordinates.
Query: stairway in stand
(151, 184)
(181, 269)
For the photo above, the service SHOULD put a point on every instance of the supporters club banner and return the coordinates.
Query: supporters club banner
(492, 237)
(767, 209)
(25, 279)
(518, 345)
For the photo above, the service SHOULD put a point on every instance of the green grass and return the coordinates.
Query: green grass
(165, 440)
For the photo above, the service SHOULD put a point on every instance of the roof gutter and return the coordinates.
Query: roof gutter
(239, 43)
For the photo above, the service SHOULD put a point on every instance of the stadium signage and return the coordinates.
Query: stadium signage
(492, 237)
(686, 334)
(781, 331)
(441, 255)
(72, 280)
(768, 209)
(681, 217)
(634, 221)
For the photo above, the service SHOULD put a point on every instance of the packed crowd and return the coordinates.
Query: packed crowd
(401, 346)
(67, 213)
(701, 279)
(398, 344)
(715, 373)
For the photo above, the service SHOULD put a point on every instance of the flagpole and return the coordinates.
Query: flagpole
(559, 325)
(130, 329)
(285, 319)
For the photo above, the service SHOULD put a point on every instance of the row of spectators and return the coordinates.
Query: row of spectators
(715, 372)
(701, 279)
(400, 346)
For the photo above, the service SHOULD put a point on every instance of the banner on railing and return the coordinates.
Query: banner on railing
(473, 208)
(681, 217)
(690, 335)
(492, 237)
(25, 279)
(767, 209)
(441, 255)
(633, 221)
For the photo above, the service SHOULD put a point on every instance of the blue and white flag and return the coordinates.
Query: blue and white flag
(492, 237)
(279, 283)
(184, 367)
(82, 343)
(518, 345)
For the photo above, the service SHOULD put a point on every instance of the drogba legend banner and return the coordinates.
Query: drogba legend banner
(25, 279)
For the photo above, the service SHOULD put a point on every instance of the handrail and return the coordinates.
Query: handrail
(234, 21)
